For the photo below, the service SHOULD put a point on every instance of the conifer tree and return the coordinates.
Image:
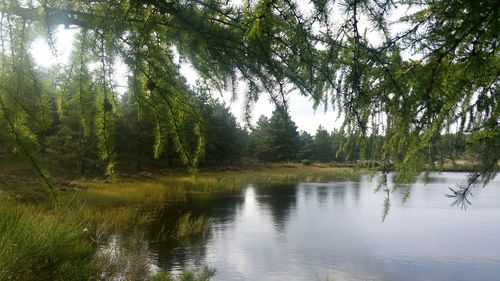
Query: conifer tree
(449, 81)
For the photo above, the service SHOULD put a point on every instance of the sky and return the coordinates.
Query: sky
(301, 110)
(300, 107)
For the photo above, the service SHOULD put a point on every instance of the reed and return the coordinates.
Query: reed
(38, 242)
(42, 247)
(190, 225)
(205, 275)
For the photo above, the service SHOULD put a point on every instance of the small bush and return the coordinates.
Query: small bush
(306, 162)
(333, 164)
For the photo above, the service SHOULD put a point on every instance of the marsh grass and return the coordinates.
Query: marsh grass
(119, 194)
(38, 242)
(108, 206)
(455, 166)
(42, 247)
(190, 225)
(124, 257)
(226, 181)
(205, 275)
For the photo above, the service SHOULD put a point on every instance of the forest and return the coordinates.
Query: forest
(439, 76)
(71, 152)
(87, 164)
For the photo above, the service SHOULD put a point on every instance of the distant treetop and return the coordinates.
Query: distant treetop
(448, 79)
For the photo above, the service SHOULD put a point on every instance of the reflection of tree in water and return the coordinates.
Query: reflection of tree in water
(339, 192)
(322, 194)
(355, 191)
(174, 253)
(279, 199)
(125, 256)
(307, 191)
(432, 178)
(401, 192)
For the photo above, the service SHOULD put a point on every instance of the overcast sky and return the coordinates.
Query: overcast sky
(300, 107)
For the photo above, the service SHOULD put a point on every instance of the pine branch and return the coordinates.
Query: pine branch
(35, 163)
(463, 192)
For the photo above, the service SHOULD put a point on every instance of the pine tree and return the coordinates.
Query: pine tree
(274, 47)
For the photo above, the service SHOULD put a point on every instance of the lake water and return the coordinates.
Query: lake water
(334, 231)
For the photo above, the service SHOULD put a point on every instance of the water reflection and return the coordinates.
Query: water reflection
(355, 191)
(279, 200)
(175, 253)
(334, 230)
(322, 194)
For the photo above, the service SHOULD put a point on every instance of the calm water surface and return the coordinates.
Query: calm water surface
(334, 230)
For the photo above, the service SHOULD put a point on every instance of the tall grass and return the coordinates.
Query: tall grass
(39, 243)
(205, 275)
(109, 207)
(189, 225)
(36, 244)
(34, 247)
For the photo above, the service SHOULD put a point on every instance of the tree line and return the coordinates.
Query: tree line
(439, 72)
(141, 144)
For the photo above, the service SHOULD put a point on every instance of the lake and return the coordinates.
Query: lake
(334, 231)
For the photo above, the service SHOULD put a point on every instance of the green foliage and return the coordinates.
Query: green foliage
(441, 72)
(189, 225)
(104, 124)
(42, 248)
(275, 139)
(226, 140)
(306, 162)
(322, 149)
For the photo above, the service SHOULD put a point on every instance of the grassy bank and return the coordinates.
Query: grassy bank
(135, 201)
(38, 242)
(43, 246)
